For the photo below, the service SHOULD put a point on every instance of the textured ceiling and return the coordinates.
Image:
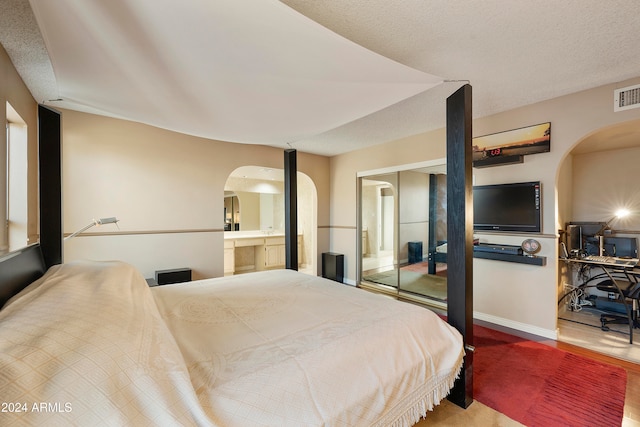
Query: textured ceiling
(513, 52)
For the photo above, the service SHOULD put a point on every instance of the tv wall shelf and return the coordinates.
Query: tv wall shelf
(522, 259)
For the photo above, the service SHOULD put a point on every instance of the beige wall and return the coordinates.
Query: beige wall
(14, 91)
(167, 190)
(516, 295)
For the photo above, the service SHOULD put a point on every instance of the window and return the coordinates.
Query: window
(14, 176)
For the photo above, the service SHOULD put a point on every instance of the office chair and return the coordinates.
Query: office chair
(630, 290)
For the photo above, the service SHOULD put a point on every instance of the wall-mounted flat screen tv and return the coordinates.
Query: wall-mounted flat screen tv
(507, 207)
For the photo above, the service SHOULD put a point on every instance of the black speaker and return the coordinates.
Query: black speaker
(415, 252)
(333, 266)
(491, 247)
(176, 275)
(498, 161)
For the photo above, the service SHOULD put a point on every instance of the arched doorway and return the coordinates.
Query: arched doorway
(595, 179)
(255, 194)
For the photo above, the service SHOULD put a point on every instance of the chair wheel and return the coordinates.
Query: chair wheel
(605, 328)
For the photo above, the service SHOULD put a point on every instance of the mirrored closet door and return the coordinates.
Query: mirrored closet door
(403, 226)
(378, 226)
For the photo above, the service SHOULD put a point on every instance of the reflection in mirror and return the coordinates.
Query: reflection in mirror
(423, 233)
(404, 232)
(378, 224)
(231, 212)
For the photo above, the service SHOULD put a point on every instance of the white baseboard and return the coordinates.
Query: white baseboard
(524, 327)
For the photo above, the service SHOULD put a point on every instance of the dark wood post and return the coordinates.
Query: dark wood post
(291, 209)
(460, 234)
(50, 180)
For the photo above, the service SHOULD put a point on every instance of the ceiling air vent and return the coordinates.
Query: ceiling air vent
(626, 98)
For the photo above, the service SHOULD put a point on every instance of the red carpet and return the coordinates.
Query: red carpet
(423, 267)
(538, 385)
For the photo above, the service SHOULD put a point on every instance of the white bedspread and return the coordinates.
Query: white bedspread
(91, 344)
(85, 346)
(281, 348)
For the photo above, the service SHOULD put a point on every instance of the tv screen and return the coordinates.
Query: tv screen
(507, 207)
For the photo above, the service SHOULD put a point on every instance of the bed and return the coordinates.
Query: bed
(90, 343)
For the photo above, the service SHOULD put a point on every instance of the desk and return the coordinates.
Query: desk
(610, 270)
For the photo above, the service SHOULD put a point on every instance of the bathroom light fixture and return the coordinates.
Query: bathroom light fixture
(101, 221)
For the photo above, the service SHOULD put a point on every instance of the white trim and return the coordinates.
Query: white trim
(524, 327)
(399, 168)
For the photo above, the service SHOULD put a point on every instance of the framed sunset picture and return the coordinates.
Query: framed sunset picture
(516, 142)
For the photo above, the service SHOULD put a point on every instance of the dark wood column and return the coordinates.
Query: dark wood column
(291, 209)
(460, 234)
(50, 182)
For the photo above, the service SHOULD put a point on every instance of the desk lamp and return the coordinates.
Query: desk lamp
(110, 220)
(620, 213)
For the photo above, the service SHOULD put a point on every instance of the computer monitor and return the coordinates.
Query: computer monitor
(581, 237)
(574, 238)
(620, 247)
(589, 228)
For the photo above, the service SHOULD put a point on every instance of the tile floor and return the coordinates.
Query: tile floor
(582, 328)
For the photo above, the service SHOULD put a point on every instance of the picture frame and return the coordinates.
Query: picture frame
(516, 142)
